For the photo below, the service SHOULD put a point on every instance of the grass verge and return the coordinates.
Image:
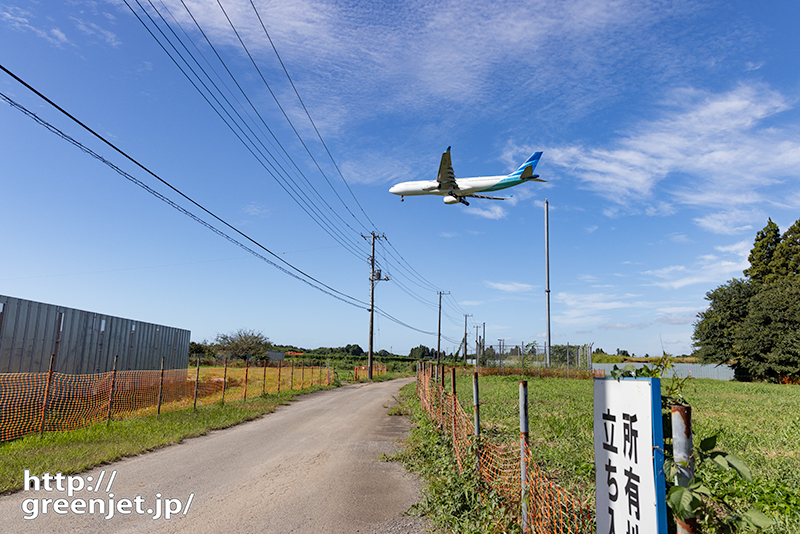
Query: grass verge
(78, 450)
(757, 422)
(454, 500)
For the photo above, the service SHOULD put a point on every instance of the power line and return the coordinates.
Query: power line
(315, 212)
(298, 274)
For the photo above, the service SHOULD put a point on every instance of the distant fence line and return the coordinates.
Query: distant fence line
(548, 507)
(53, 402)
(678, 370)
(84, 342)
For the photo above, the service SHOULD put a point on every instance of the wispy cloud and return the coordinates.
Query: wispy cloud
(255, 210)
(707, 269)
(22, 20)
(715, 148)
(93, 29)
(492, 211)
(514, 287)
(593, 308)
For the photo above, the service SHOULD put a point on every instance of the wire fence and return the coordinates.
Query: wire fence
(547, 506)
(53, 402)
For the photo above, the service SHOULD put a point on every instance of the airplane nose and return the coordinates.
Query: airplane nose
(395, 189)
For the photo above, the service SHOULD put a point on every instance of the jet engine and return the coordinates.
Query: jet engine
(450, 199)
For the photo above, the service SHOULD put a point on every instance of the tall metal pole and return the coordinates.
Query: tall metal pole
(465, 339)
(547, 274)
(477, 348)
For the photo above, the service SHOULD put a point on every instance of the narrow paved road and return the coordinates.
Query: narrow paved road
(312, 466)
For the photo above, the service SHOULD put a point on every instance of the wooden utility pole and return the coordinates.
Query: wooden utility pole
(374, 276)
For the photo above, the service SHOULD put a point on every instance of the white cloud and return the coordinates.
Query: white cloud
(728, 222)
(255, 210)
(708, 268)
(21, 20)
(493, 211)
(90, 28)
(712, 147)
(593, 308)
(514, 287)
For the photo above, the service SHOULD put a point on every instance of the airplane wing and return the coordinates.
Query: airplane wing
(485, 196)
(446, 176)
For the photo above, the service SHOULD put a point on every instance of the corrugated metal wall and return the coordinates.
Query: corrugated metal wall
(87, 342)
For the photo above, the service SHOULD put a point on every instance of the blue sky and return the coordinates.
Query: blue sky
(670, 134)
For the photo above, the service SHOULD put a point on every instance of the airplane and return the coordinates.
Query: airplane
(456, 190)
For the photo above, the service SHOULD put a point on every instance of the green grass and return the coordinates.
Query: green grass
(79, 450)
(760, 423)
(454, 500)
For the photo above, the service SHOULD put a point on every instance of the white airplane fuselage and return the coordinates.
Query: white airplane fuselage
(466, 186)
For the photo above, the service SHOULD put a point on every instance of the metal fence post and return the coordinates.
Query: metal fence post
(225, 379)
(455, 404)
(682, 449)
(246, 373)
(476, 431)
(280, 366)
(523, 450)
(161, 387)
(196, 382)
(46, 395)
(302, 373)
(111, 392)
(264, 386)
(291, 381)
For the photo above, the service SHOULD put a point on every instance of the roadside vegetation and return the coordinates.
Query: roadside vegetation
(454, 500)
(756, 422)
(78, 450)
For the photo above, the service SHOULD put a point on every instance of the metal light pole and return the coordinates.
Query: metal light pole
(465, 340)
(547, 275)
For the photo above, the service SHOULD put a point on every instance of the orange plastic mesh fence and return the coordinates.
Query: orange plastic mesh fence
(74, 401)
(551, 509)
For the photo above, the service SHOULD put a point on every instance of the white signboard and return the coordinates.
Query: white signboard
(629, 457)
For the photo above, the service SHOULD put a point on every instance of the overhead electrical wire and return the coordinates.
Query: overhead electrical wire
(284, 181)
(413, 276)
(285, 70)
(290, 269)
(400, 261)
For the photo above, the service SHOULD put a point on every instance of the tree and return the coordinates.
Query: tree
(768, 340)
(243, 343)
(715, 330)
(354, 350)
(420, 353)
(767, 240)
(786, 259)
